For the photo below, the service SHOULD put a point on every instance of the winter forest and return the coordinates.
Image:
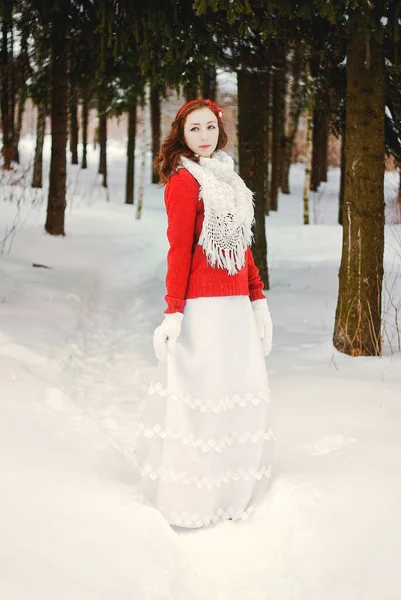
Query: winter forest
(311, 94)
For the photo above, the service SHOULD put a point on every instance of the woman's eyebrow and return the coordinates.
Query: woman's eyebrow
(208, 123)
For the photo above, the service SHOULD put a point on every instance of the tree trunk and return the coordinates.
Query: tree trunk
(398, 205)
(103, 144)
(279, 82)
(325, 151)
(342, 181)
(292, 113)
(308, 165)
(130, 178)
(283, 88)
(266, 78)
(155, 117)
(252, 143)
(190, 92)
(59, 121)
(12, 81)
(141, 187)
(142, 171)
(37, 178)
(309, 146)
(358, 314)
(285, 167)
(74, 125)
(85, 118)
(399, 184)
(269, 134)
(316, 152)
(209, 84)
(5, 85)
(18, 125)
(319, 157)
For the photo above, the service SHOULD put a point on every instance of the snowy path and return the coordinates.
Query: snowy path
(99, 367)
(107, 365)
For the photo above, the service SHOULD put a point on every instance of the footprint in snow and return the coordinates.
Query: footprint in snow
(328, 444)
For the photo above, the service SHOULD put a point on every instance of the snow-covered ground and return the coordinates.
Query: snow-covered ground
(76, 357)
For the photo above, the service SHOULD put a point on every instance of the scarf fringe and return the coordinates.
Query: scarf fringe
(232, 260)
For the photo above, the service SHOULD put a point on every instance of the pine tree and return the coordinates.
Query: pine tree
(358, 314)
(293, 106)
(56, 201)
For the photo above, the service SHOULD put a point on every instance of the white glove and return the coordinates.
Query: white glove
(264, 324)
(165, 336)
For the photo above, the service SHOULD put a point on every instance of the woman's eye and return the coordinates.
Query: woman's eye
(194, 129)
(211, 127)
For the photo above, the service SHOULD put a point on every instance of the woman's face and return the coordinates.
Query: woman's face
(201, 131)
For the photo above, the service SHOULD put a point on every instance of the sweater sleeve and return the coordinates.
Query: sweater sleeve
(181, 197)
(255, 283)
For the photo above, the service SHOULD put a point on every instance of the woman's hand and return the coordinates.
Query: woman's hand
(165, 336)
(264, 324)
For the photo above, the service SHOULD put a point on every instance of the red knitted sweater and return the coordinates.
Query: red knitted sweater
(189, 275)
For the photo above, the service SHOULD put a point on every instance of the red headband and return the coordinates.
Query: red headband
(209, 102)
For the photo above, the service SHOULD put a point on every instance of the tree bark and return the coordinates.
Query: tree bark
(269, 134)
(266, 79)
(59, 121)
(155, 117)
(141, 187)
(399, 184)
(279, 83)
(316, 149)
(285, 167)
(5, 85)
(319, 157)
(308, 160)
(252, 143)
(37, 179)
(209, 84)
(291, 116)
(309, 140)
(73, 101)
(358, 315)
(18, 125)
(398, 207)
(342, 181)
(103, 144)
(324, 163)
(85, 118)
(282, 90)
(142, 170)
(130, 177)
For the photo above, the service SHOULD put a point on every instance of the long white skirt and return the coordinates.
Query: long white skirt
(204, 443)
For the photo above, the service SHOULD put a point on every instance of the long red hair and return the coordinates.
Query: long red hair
(174, 145)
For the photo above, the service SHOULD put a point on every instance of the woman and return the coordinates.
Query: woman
(204, 441)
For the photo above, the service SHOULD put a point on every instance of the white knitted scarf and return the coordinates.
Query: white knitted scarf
(229, 215)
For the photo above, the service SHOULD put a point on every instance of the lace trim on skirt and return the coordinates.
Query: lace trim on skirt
(186, 519)
(225, 403)
(206, 445)
(203, 481)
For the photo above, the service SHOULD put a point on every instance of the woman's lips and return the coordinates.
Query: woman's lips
(206, 146)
